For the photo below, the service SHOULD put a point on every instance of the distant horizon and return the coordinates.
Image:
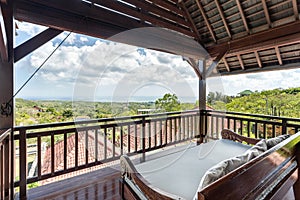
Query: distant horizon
(108, 99)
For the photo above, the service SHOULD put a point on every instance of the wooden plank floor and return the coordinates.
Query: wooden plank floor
(100, 184)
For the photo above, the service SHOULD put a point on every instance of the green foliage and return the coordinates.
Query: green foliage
(168, 103)
(214, 97)
(277, 102)
(60, 111)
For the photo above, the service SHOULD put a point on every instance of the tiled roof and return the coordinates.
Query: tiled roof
(59, 155)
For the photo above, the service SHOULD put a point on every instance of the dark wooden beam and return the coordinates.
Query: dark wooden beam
(216, 62)
(123, 14)
(283, 35)
(157, 8)
(278, 55)
(238, 3)
(169, 6)
(58, 19)
(258, 59)
(194, 65)
(241, 61)
(264, 4)
(259, 70)
(32, 44)
(226, 64)
(194, 28)
(145, 16)
(223, 18)
(3, 38)
(295, 9)
(206, 20)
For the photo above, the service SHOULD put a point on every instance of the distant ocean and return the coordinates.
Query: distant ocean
(112, 99)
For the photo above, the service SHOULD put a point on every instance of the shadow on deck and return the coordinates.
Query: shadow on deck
(99, 184)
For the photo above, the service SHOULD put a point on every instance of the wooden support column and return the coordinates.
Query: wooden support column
(297, 184)
(6, 70)
(6, 89)
(202, 100)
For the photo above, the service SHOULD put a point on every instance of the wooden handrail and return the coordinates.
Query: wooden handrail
(6, 186)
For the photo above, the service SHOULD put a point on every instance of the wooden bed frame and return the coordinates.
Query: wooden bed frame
(271, 175)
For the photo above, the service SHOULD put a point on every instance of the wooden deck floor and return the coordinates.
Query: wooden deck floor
(100, 184)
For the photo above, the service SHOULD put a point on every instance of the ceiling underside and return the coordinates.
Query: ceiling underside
(240, 35)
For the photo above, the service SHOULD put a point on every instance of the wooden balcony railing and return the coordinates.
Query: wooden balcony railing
(94, 142)
(6, 191)
(251, 125)
(103, 140)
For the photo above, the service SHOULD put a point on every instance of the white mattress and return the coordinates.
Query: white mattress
(180, 173)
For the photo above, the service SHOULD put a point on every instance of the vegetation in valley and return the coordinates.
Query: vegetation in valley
(29, 112)
(277, 102)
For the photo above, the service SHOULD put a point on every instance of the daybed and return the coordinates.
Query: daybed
(234, 167)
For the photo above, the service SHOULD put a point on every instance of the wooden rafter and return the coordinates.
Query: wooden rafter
(258, 59)
(295, 9)
(226, 64)
(216, 62)
(194, 65)
(3, 39)
(223, 17)
(241, 61)
(266, 11)
(242, 15)
(148, 7)
(144, 16)
(278, 55)
(190, 20)
(34, 43)
(206, 20)
(264, 69)
(286, 34)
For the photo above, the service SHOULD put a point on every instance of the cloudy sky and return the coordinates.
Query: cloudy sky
(89, 68)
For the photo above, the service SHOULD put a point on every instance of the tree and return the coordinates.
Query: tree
(168, 103)
(67, 113)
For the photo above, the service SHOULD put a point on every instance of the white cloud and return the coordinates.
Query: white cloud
(30, 29)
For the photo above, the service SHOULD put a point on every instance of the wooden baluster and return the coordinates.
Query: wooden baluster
(96, 145)
(128, 138)
(39, 156)
(105, 143)
(23, 163)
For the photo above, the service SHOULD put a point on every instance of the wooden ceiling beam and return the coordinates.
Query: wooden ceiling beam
(226, 64)
(206, 20)
(258, 70)
(194, 65)
(278, 36)
(238, 3)
(3, 38)
(266, 11)
(241, 61)
(295, 9)
(32, 44)
(216, 62)
(278, 55)
(223, 18)
(156, 21)
(194, 28)
(148, 7)
(258, 59)
(46, 16)
(169, 6)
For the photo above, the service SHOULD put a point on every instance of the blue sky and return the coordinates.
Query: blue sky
(89, 68)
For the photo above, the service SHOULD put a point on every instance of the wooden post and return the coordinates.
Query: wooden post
(297, 184)
(202, 100)
(6, 90)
